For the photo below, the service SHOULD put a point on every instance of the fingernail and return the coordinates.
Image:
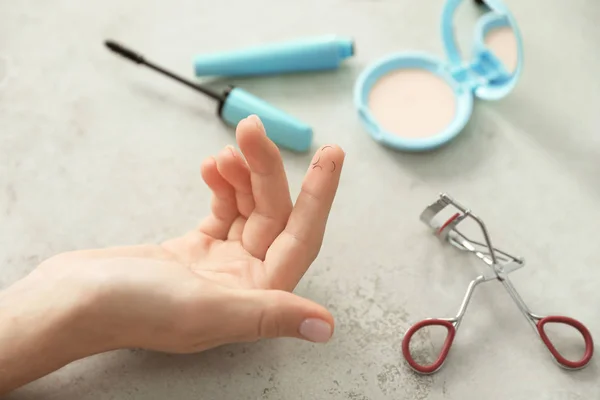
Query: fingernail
(315, 330)
(231, 150)
(254, 118)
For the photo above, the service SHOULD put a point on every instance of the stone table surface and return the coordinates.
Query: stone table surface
(96, 152)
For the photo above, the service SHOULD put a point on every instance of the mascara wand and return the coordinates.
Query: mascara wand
(235, 104)
(139, 59)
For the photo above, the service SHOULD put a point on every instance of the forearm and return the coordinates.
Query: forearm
(37, 332)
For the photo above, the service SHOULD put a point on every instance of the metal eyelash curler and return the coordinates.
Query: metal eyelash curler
(499, 264)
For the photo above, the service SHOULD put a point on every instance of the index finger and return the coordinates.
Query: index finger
(298, 245)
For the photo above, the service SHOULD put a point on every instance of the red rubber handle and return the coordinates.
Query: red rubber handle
(587, 337)
(448, 222)
(428, 369)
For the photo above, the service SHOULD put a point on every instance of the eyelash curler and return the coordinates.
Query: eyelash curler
(499, 264)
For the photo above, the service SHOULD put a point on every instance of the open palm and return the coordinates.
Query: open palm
(228, 280)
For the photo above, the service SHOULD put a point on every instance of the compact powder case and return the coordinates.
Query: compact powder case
(414, 101)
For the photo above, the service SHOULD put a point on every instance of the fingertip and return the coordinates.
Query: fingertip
(255, 119)
(338, 151)
(225, 156)
(213, 178)
(328, 158)
(325, 315)
(234, 152)
(332, 151)
(249, 128)
(316, 330)
(208, 166)
(318, 326)
(208, 161)
(231, 150)
(253, 140)
(234, 169)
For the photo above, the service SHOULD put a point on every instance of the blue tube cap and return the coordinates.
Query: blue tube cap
(301, 55)
(284, 130)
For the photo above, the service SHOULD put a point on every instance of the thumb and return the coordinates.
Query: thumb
(282, 314)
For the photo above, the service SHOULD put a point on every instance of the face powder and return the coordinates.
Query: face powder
(412, 103)
(502, 42)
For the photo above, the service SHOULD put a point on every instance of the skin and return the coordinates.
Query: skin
(228, 280)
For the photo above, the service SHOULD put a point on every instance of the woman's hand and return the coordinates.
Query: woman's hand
(229, 280)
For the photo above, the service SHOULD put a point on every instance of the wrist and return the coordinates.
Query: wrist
(39, 330)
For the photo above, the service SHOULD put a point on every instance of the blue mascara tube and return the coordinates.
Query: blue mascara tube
(301, 55)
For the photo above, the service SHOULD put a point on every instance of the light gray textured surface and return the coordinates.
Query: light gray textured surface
(95, 152)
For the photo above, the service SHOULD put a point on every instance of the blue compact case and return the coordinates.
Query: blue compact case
(484, 76)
